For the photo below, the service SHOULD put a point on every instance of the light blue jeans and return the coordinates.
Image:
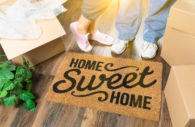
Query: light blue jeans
(130, 17)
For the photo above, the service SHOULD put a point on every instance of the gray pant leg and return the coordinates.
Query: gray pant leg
(93, 8)
(129, 19)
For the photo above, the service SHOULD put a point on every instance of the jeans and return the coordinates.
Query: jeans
(130, 17)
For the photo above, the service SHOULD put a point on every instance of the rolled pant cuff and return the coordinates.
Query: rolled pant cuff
(149, 40)
(121, 37)
(125, 36)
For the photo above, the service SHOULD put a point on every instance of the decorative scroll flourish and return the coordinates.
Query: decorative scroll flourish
(101, 99)
(116, 69)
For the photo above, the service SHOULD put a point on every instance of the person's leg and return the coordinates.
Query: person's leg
(91, 10)
(155, 24)
(127, 23)
(156, 20)
(81, 29)
(129, 19)
(83, 25)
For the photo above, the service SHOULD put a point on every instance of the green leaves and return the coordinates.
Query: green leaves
(9, 100)
(3, 93)
(20, 73)
(16, 84)
(29, 85)
(26, 64)
(9, 86)
(17, 90)
(6, 74)
(25, 95)
(23, 73)
(28, 74)
(7, 66)
(2, 82)
(29, 105)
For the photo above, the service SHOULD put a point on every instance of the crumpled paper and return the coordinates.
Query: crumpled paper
(18, 21)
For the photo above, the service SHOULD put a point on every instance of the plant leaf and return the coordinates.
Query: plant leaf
(29, 105)
(29, 85)
(16, 100)
(20, 85)
(6, 74)
(25, 62)
(7, 65)
(17, 90)
(11, 68)
(25, 95)
(28, 74)
(9, 100)
(20, 73)
(9, 86)
(2, 82)
(17, 81)
(3, 93)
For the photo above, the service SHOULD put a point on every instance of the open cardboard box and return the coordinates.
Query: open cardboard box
(179, 40)
(49, 44)
(180, 93)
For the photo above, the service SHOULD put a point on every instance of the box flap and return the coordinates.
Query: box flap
(51, 30)
(182, 16)
(185, 76)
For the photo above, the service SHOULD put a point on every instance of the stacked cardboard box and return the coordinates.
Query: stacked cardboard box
(179, 51)
(179, 39)
(180, 93)
(38, 50)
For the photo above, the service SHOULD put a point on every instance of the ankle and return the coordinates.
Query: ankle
(92, 32)
(81, 29)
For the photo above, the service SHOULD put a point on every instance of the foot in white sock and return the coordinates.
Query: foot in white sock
(119, 46)
(149, 50)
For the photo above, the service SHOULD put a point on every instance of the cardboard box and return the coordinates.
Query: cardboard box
(180, 93)
(178, 47)
(37, 50)
(182, 16)
(179, 41)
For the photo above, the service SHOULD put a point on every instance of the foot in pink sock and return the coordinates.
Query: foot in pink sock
(102, 38)
(81, 39)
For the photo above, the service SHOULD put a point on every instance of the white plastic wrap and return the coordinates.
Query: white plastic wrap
(18, 21)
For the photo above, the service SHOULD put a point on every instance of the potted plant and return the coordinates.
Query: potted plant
(16, 84)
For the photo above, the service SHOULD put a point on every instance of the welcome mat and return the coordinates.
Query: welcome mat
(122, 86)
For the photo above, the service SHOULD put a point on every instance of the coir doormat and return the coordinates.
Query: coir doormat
(121, 86)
